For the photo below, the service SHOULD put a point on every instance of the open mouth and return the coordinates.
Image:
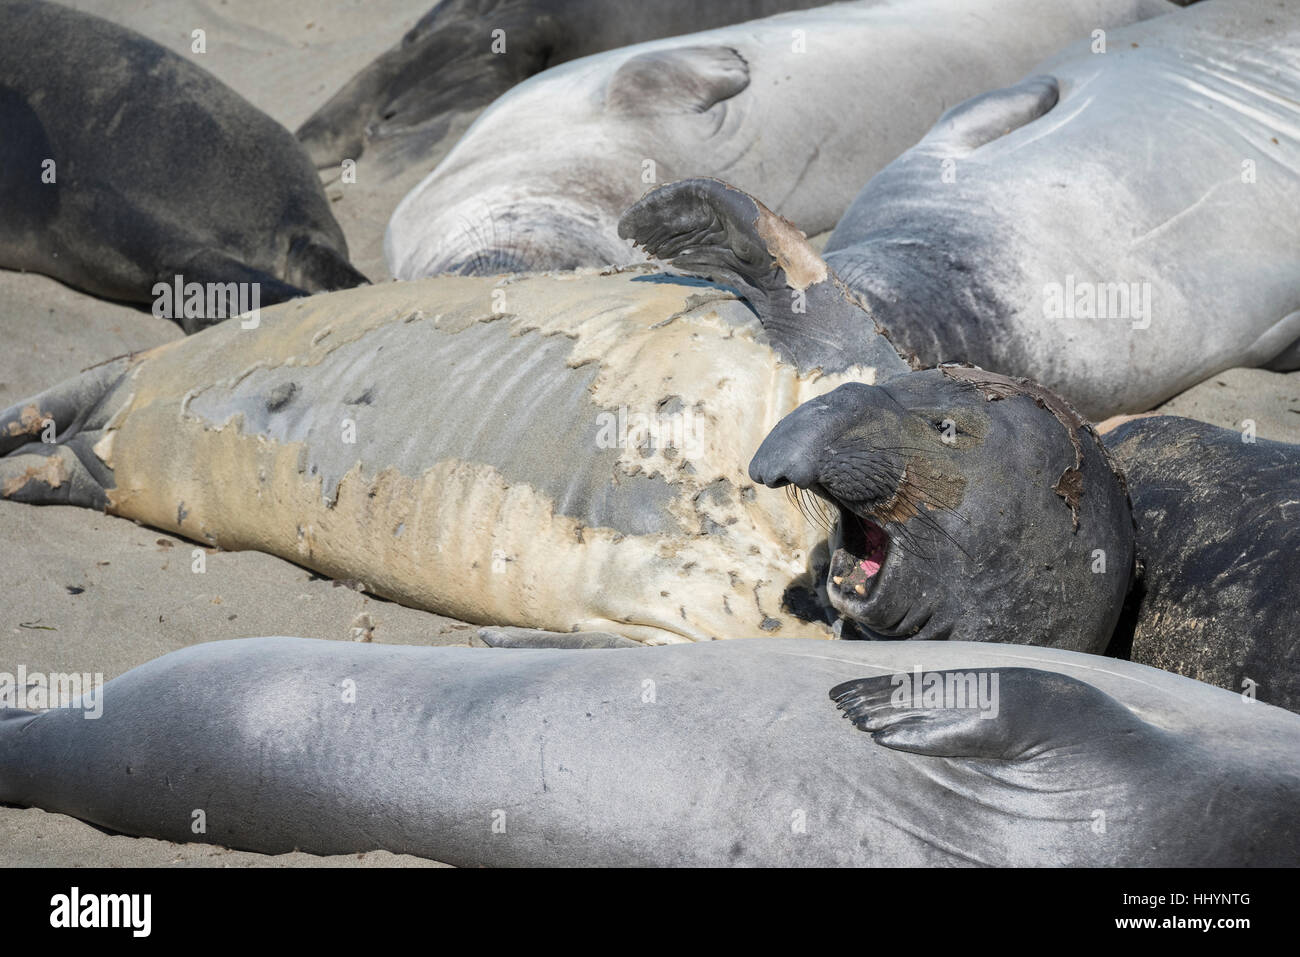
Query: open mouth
(856, 562)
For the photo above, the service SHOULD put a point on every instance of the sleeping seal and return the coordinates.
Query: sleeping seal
(1118, 227)
(127, 171)
(799, 108)
(717, 753)
(411, 103)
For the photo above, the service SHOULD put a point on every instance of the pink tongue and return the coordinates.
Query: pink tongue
(876, 547)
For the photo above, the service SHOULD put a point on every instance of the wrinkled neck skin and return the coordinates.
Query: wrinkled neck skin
(906, 287)
(836, 332)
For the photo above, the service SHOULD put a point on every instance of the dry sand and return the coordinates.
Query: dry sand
(91, 592)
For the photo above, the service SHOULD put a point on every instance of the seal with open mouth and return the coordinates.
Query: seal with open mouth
(965, 505)
(970, 505)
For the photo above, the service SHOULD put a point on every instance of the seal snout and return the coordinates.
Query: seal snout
(829, 447)
(792, 452)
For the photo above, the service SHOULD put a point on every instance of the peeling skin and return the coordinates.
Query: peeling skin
(475, 542)
(104, 448)
(994, 386)
(50, 471)
(789, 247)
(30, 422)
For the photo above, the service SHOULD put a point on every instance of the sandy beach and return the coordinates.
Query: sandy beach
(94, 593)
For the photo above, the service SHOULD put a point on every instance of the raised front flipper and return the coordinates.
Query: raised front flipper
(705, 228)
(989, 116)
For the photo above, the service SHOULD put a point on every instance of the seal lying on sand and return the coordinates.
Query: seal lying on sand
(123, 166)
(726, 753)
(1119, 227)
(799, 108)
(1213, 511)
(463, 54)
(563, 454)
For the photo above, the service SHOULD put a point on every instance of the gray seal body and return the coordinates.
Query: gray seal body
(706, 754)
(798, 109)
(1118, 227)
(124, 165)
(1216, 540)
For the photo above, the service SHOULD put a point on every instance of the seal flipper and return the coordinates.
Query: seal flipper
(985, 118)
(707, 229)
(691, 79)
(505, 636)
(48, 453)
(1019, 720)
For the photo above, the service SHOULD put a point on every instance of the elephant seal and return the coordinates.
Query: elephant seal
(463, 54)
(783, 107)
(564, 454)
(935, 497)
(1118, 227)
(126, 171)
(717, 753)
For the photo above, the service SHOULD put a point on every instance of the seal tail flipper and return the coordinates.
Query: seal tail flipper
(504, 636)
(1006, 714)
(705, 228)
(985, 118)
(48, 453)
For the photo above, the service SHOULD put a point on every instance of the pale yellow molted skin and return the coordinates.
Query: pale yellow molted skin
(472, 545)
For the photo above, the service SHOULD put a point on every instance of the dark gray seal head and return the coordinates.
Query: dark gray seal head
(123, 166)
(965, 505)
(948, 490)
